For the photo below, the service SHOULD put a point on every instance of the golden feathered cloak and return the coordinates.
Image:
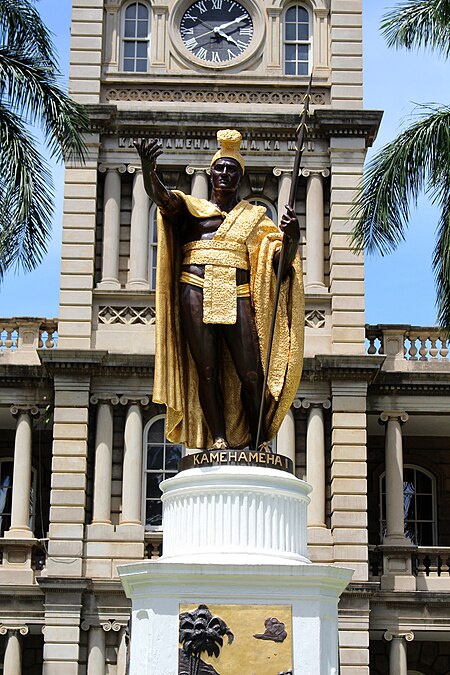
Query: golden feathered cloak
(176, 380)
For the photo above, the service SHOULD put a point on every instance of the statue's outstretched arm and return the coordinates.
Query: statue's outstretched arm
(170, 204)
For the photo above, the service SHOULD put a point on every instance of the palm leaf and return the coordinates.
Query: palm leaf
(20, 24)
(419, 23)
(413, 161)
(26, 196)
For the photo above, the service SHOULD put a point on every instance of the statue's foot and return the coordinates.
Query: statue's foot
(220, 444)
(265, 447)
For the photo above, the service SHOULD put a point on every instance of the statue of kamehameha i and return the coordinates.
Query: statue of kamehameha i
(216, 278)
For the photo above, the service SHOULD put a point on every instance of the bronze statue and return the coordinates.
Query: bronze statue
(216, 266)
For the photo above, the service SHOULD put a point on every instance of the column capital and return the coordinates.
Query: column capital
(19, 408)
(14, 628)
(307, 403)
(321, 12)
(110, 624)
(191, 170)
(128, 399)
(282, 170)
(121, 168)
(308, 171)
(390, 635)
(388, 415)
(113, 399)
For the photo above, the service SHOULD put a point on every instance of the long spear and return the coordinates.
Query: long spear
(281, 262)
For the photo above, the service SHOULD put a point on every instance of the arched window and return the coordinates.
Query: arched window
(296, 40)
(160, 462)
(135, 38)
(419, 504)
(153, 247)
(6, 481)
(270, 208)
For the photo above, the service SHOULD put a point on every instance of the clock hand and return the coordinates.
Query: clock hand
(230, 23)
(224, 35)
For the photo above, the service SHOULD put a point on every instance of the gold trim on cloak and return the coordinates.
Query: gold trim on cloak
(176, 380)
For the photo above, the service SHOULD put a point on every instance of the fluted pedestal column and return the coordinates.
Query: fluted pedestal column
(20, 509)
(199, 181)
(315, 231)
(111, 231)
(398, 657)
(138, 274)
(96, 651)
(132, 466)
(103, 464)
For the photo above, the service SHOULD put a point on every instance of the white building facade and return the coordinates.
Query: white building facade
(82, 448)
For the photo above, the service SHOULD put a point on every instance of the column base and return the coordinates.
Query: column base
(316, 289)
(19, 533)
(138, 285)
(109, 285)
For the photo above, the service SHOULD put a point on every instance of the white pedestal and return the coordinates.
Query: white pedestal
(235, 537)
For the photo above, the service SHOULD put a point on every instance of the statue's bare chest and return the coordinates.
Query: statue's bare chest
(201, 228)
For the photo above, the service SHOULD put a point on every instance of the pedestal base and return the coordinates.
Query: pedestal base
(308, 594)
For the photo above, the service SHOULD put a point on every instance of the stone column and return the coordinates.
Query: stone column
(315, 460)
(132, 463)
(284, 187)
(111, 231)
(138, 274)
(12, 664)
(199, 181)
(398, 660)
(96, 651)
(20, 509)
(286, 437)
(103, 461)
(395, 519)
(315, 230)
(122, 652)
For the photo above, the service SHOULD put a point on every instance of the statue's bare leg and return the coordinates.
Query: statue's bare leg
(203, 341)
(242, 342)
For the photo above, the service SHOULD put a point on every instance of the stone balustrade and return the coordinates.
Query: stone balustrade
(408, 343)
(20, 337)
(430, 565)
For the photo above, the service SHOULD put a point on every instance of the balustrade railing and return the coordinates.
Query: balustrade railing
(153, 545)
(27, 333)
(410, 343)
(428, 563)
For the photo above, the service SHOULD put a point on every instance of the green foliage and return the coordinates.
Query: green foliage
(417, 160)
(30, 92)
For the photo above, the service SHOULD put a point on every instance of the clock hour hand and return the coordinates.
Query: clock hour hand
(217, 31)
(230, 23)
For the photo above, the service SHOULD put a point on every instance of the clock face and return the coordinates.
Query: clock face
(216, 31)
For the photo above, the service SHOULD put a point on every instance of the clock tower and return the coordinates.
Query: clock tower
(179, 70)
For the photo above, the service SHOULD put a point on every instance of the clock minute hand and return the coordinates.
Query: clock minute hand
(230, 23)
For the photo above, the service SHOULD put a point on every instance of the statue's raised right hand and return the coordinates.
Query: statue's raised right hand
(149, 150)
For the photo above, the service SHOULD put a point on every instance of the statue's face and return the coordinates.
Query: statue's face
(226, 174)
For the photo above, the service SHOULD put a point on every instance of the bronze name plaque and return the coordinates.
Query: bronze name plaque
(236, 457)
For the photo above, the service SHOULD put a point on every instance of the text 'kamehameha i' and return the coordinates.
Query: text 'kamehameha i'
(206, 458)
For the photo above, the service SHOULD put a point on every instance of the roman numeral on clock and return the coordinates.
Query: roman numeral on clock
(217, 4)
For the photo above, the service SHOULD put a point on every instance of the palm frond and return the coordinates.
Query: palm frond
(419, 23)
(31, 89)
(413, 161)
(26, 196)
(20, 24)
(441, 256)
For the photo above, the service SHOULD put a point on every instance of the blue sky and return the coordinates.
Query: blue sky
(399, 287)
